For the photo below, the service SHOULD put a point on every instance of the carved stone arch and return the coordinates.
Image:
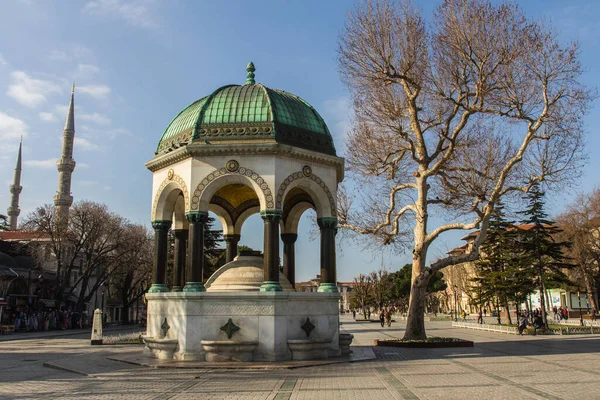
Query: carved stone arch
(233, 168)
(306, 173)
(180, 183)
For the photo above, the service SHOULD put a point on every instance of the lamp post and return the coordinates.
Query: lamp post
(455, 303)
(580, 313)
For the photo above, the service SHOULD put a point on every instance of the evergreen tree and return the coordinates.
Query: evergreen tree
(501, 277)
(4, 223)
(541, 250)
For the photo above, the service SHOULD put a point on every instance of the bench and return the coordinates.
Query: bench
(7, 329)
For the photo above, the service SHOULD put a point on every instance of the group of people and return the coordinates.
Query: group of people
(385, 315)
(534, 319)
(29, 320)
(560, 313)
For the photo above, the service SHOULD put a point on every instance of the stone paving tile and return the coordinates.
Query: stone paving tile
(348, 382)
(481, 392)
(359, 394)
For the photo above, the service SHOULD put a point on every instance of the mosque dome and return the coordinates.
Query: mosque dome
(249, 113)
(7, 261)
(243, 274)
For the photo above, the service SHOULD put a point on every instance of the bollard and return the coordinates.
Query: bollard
(97, 327)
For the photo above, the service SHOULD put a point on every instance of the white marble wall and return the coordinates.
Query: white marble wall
(271, 318)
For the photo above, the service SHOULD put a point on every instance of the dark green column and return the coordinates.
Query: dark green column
(179, 250)
(328, 227)
(271, 250)
(195, 260)
(161, 234)
(231, 247)
(289, 256)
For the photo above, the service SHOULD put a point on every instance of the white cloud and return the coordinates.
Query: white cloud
(95, 117)
(117, 132)
(29, 91)
(87, 69)
(11, 128)
(3, 61)
(49, 163)
(97, 91)
(74, 52)
(107, 188)
(133, 12)
(82, 165)
(47, 116)
(85, 144)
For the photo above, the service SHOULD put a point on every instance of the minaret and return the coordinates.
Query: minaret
(66, 165)
(15, 190)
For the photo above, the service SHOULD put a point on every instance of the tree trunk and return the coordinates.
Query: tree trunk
(498, 316)
(543, 306)
(508, 313)
(415, 320)
(590, 292)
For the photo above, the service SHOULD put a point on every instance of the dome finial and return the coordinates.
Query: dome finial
(250, 75)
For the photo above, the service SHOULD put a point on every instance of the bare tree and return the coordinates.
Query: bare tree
(132, 271)
(452, 117)
(581, 228)
(362, 291)
(381, 287)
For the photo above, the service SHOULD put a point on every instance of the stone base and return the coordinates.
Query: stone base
(158, 288)
(194, 287)
(345, 341)
(271, 286)
(268, 318)
(309, 349)
(228, 350)
(327, 288)
(162, 349)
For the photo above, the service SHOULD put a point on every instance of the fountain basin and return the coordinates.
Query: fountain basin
(309, 349)
(161, 348)
(228, 350)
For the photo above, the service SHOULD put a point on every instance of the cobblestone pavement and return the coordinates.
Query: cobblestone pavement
(498, 367)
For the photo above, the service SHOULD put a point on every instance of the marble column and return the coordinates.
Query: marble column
(161, 237)
(289, 256)
(179, 250)
(231, 249)
(195, 259)
(328, 227)
(271, 251)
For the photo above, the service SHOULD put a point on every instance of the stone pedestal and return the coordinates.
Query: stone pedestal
(269, 318)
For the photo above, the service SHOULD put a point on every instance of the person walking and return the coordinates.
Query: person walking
(463, 314)
(354, 313)
(388, 317)
(480, 317)
(382, 318)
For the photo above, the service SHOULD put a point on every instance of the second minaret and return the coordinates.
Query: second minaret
(63, 199)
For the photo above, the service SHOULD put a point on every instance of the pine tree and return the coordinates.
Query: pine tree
(541, 250)
(501, 278)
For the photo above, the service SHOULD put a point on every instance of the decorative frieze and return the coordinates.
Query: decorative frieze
(306, 173)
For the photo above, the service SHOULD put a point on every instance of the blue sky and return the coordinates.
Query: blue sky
(136, 64)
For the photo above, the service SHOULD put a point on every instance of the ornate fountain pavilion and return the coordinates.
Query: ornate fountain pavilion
(242, 150)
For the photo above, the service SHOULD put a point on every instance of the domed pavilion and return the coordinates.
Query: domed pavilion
(242, 150)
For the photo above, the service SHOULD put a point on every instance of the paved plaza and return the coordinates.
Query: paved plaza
(498, 367)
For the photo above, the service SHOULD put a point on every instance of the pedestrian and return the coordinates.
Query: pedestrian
(463, 314)
(388, 317)
(523, 325)
(369, 313)
(382, 318)
(480, 317)
(593, 314)
(537, 324)
(485, 312)
(354, 313)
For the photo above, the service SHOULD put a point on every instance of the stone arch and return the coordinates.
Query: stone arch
(294, 215)
(233, 173)
(243, 217)
(179, 221)
(166, 195)
(224, 217)
(314, 185)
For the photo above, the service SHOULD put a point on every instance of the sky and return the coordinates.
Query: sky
(137, 63)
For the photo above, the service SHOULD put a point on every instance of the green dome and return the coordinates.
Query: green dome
(250, 112)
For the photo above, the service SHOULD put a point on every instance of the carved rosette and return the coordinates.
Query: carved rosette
(264, 187)
(172, 177)
(306, 173)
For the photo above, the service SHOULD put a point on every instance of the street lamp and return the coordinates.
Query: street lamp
(580, 313)
(455, 303)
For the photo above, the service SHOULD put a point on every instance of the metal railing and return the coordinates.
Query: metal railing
(512, 330)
